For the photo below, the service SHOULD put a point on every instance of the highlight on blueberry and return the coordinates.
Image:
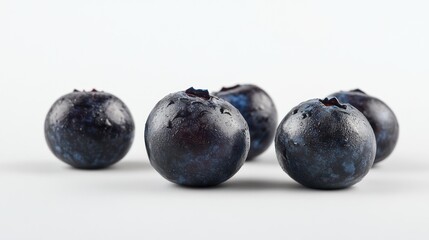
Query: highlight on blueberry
(260, 113)
(380, 116)
(195, 139)
(324, 144)
(89, 130)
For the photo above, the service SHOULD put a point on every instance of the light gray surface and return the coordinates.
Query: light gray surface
(140, 51)
(47, 200)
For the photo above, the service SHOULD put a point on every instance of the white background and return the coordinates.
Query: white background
(143, 50)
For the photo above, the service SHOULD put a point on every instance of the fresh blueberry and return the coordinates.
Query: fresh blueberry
(380, 116)
(195, 139)
(89, 130)
(325, 145)
(260, 113)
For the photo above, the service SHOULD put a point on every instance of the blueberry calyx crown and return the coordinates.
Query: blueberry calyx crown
(224, 89)
(357, 90)
(332, 102)
(93, 90)
(198, 93)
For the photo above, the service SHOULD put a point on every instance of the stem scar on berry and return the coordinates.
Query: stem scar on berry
(332, 102)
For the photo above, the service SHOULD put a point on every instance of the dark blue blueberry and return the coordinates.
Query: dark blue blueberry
(260, 113)
(195, 139)
(89, 130)
(380, 116)
(325, 145)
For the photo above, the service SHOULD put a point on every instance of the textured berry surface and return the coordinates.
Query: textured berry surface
(326, 145)
(195, 139)
(260, 113)
(89, 130)
(380, 116)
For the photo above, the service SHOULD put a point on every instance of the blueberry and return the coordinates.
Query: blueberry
(89, 130)
(260, 113)
(380, 116)
(195, 139)
(325, 145)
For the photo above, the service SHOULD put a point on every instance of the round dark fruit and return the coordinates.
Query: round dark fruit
(89, 130)
(380, 116)
(323, 144)
(260, 113)
(195, 139)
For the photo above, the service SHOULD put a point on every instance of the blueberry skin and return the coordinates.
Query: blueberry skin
(89, 130)
(380, 116)
(195, 139)
(260, 113)
(325, 145)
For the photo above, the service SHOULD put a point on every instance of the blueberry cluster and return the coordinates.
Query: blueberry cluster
(196, 139)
